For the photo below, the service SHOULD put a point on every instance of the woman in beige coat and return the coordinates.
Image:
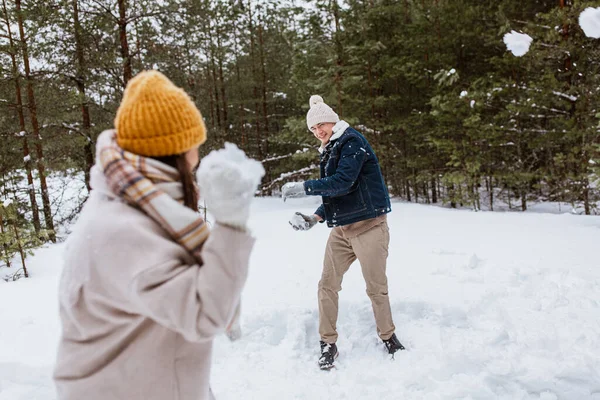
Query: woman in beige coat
(145, 286)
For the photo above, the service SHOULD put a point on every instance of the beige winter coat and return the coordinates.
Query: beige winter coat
(138, 315)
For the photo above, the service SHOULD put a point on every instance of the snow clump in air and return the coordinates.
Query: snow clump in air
(589, 20)
(517, 43)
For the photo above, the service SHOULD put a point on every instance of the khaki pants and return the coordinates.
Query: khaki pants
(370, 247)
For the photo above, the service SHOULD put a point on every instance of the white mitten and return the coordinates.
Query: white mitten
(292, 190)
(227, 181)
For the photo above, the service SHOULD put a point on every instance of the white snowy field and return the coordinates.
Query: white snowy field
(489, 306)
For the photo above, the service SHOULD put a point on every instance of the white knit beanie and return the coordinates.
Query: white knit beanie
(319, 112)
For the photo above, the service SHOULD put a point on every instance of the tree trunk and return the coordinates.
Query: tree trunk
(222, 82)
(490, 189)
(476, 193)
(415, 188)
(338, 61)
(138, 43)
(264, 99)
(223, 97)
(4, 244)
(255, 88)
(264, 87)
(434, 197)
(36, 129)
(85, 111)
(586, 197)
(210, 98)
(371, 91)
(26, 153)
(20, 247)
(215, 82)
(127, 72)
(238, 81)
(215, 89)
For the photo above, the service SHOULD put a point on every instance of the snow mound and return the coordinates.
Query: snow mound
(517, 43)
(589, 20)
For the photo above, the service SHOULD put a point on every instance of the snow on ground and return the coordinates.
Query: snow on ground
(589, 20)
(517, 43)
(29, 328)
(489, 305)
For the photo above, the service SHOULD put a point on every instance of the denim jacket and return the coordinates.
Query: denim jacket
(351, 184)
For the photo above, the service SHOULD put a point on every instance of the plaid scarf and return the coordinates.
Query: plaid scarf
(154, 188)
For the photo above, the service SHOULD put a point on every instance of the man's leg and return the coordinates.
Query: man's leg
(338, 258)
(371, 248)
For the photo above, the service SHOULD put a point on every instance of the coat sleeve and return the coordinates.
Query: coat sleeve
(321, 212)
(196, 301)
(352, 158)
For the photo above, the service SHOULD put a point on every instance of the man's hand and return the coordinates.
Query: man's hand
(292, 190)
(301, 222)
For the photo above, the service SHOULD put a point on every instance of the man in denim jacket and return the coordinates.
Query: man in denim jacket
(355, 205)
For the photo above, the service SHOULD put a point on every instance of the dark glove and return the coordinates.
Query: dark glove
(301, 222)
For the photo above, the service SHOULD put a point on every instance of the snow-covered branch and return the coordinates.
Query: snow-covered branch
(284, 156)
(566, 96)
(287, 175)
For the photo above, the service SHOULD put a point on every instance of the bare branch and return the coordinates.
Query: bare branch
(140, 16)
(530, 23)
(106, 9)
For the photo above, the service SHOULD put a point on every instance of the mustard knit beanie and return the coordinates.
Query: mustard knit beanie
(319, 112)
(156, 118)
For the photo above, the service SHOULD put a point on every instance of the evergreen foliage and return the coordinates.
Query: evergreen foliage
(453, 116)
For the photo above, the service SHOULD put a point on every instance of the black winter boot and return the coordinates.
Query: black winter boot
(393, 344)
(329, 353)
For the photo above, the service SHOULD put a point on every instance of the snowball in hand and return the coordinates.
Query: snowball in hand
(517, 43)
(230, 164)
(299, 223)
(589, 20)
(228, 180)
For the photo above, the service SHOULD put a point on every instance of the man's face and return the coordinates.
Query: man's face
(323, 131)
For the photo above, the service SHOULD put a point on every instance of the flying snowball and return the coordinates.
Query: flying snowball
(517, 43)
(589, 20)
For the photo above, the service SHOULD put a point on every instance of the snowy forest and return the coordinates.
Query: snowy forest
(484, 116)
(456, 117)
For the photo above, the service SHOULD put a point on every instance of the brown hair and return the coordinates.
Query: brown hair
(190, 190)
